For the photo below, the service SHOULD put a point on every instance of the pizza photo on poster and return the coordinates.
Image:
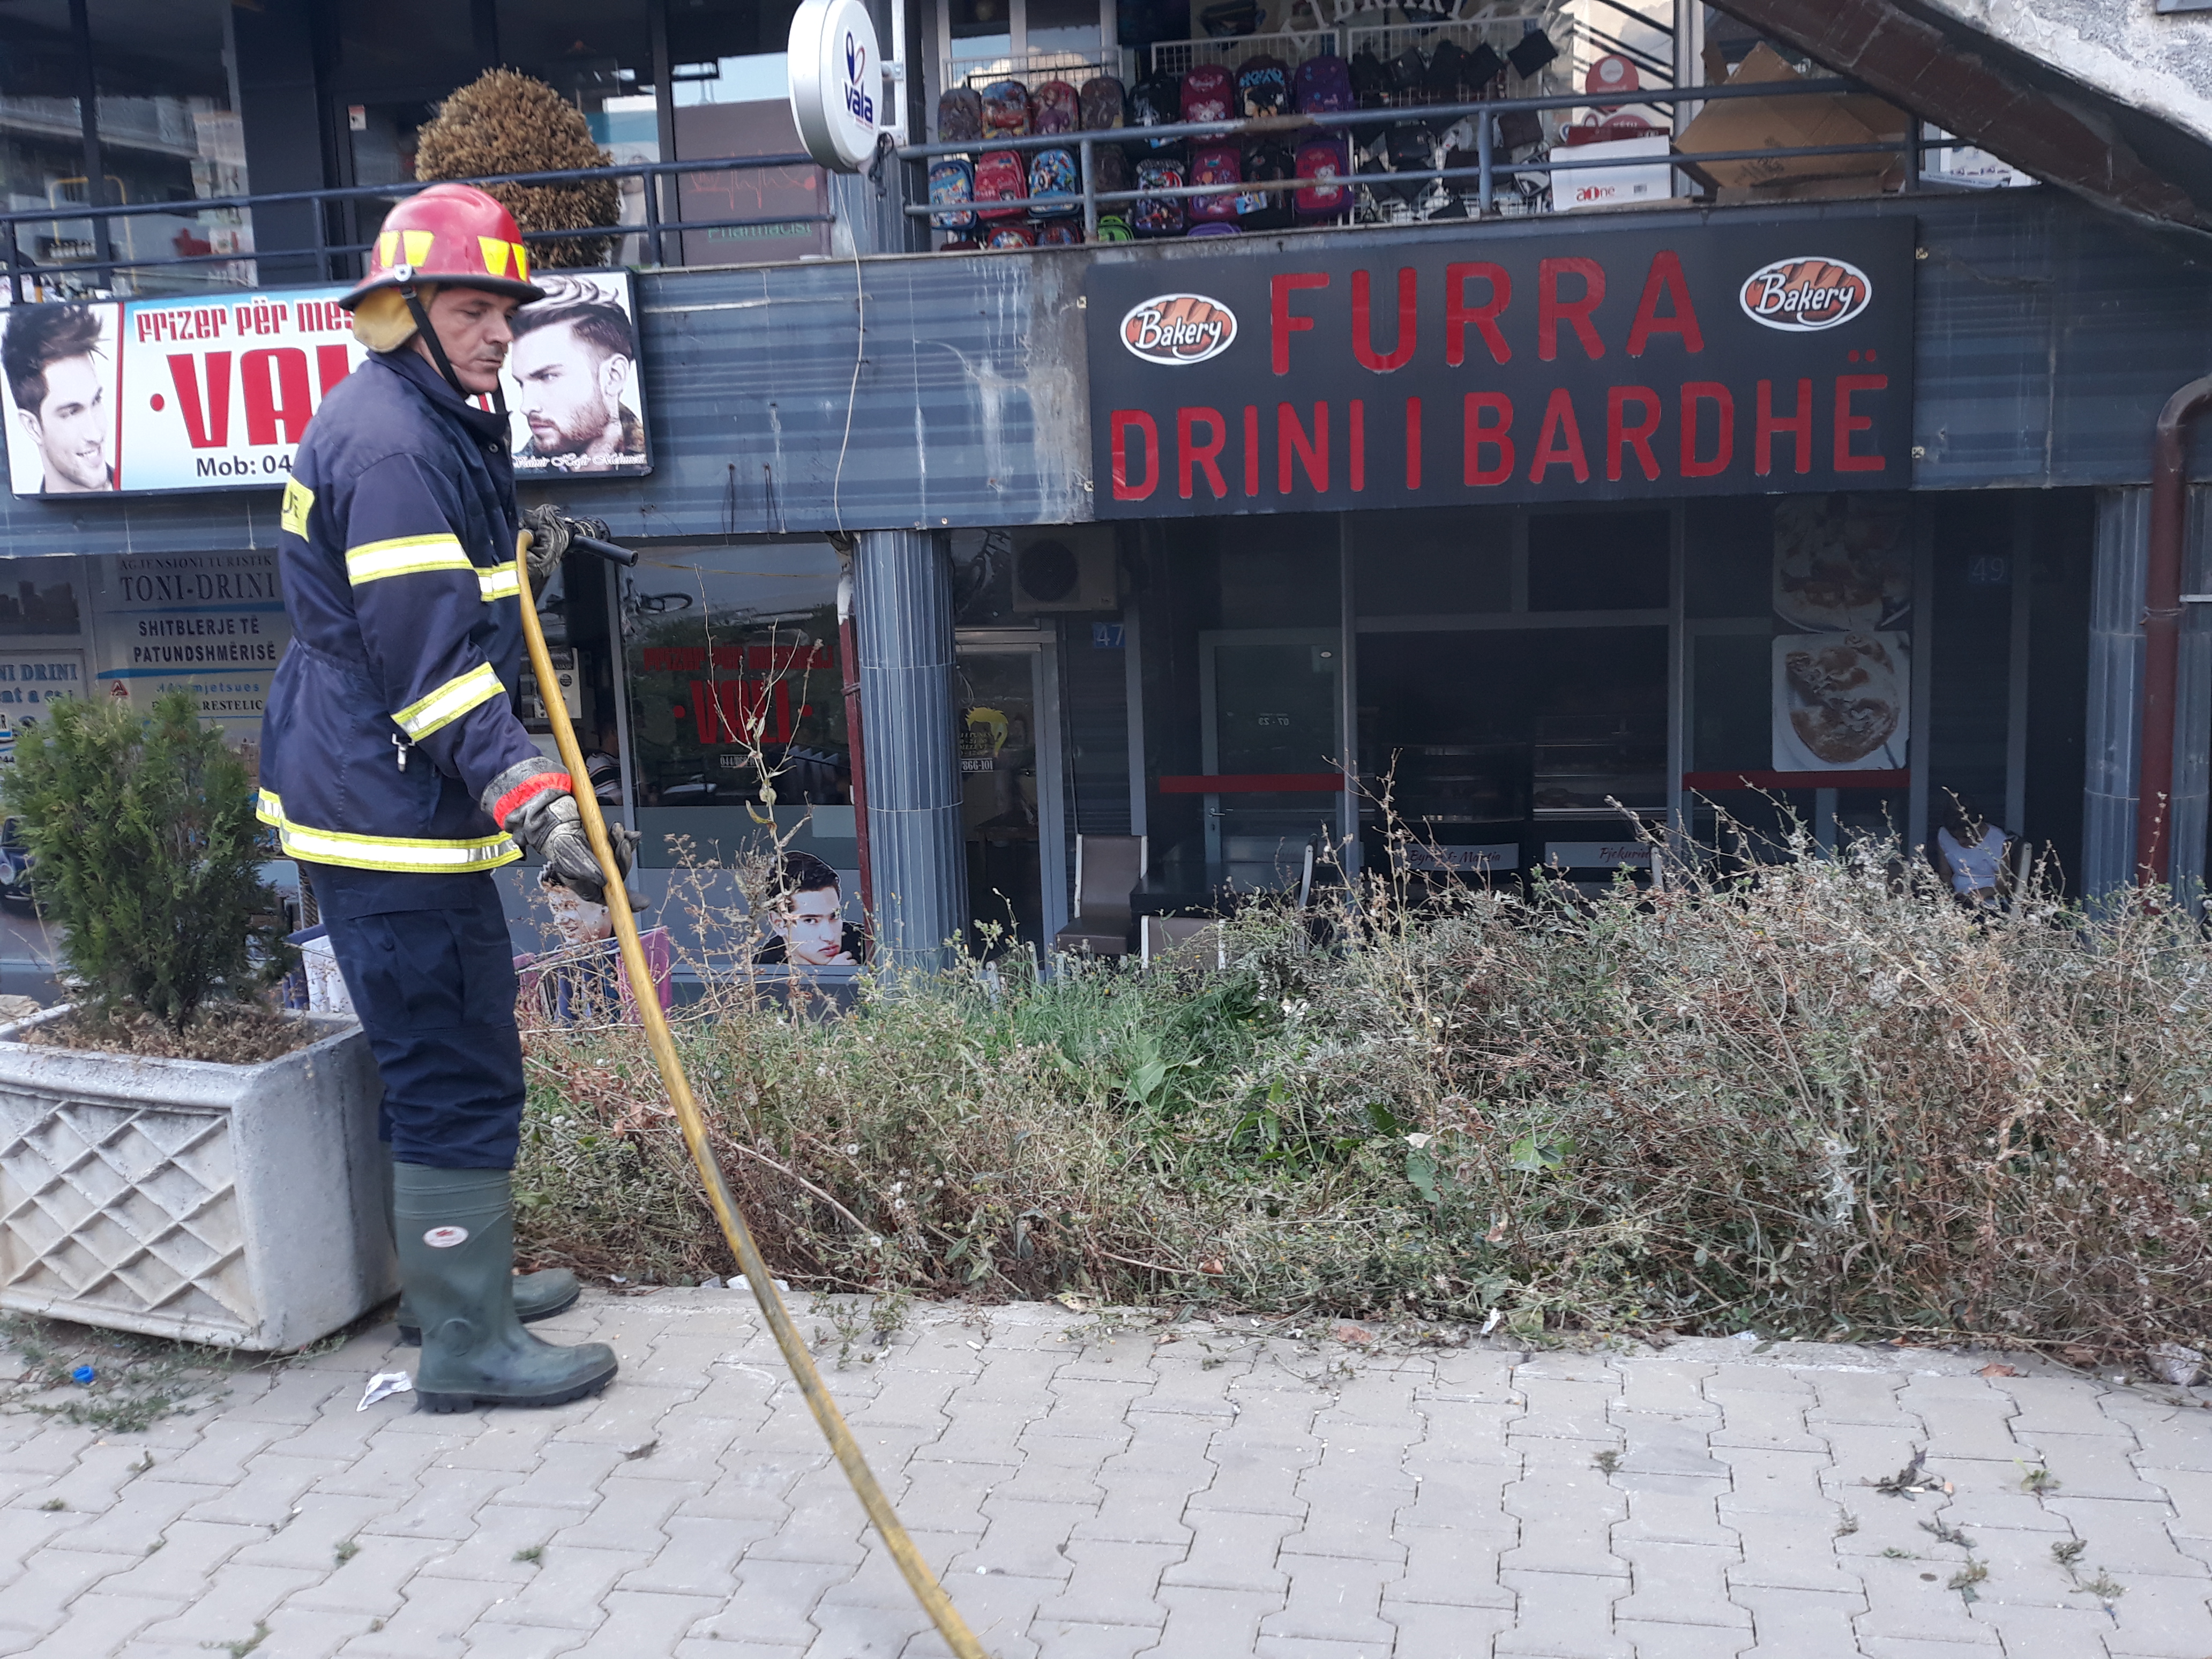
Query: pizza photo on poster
(572, 388)
(61, 391)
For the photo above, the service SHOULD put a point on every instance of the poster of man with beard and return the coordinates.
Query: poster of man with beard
(574, 367)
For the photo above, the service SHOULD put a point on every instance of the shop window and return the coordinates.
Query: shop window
(730, 93)
(1731, 725)
(1599, 560)
(734, 683)
(1432, 562)
(985, 37)
(1728, 558)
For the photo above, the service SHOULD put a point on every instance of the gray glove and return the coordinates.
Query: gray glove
(549, 824)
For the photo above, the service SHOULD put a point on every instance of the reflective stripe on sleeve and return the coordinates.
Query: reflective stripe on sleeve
(403, 557)
(502, 582)
(450, 701)
(394, 853)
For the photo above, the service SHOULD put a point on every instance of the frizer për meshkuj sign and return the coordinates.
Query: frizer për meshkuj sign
(1693, 358)
(836, 82)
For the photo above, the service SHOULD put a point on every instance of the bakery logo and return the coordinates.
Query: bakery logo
(1178, 328)
(1805, 293)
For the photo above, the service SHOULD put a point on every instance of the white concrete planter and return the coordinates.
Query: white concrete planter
(240, 1206)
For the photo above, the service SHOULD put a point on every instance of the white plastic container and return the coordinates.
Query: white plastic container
(238, 1205)
(1614, 186)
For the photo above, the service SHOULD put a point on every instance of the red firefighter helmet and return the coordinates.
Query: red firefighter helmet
(453, 234)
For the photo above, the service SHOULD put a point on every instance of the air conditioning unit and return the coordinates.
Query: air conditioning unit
(1065, 567)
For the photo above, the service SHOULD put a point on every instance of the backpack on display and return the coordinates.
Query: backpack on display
(1519, 129)
(1324, 158)
(1158, 216)
(959, 116)
(952, 186)
(1000, 183)
(1055, 184)
(1483, 65)
(961, 245)
(1266, 210)
(1109, 171)
(1215, 164)
(1101, 102)
(1112, 228)
(1007, 110)
(1059, 235)
(1322, 86)
(1213, 228)
(1409, 73)
(1530, 54)
(1263, 86)
(1011, 236)
(1369, 78)
(1446, 79)
(1410, 147)
(1157, 101)
(1208, 94)
(1058, 108)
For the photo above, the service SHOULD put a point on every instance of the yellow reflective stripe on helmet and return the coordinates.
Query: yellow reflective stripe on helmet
(450, 701)
(398, 853)
(298, 501)
(502, 582)
(404, 556)
(418, 243)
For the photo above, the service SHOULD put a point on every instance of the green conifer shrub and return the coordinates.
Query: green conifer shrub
(144, 848)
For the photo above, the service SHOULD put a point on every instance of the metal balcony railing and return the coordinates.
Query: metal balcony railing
(332, 257)
(1486, 173)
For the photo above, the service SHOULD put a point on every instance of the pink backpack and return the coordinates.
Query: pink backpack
(1215, 164)
(1002, 182)
(1209, 94)
(1323, 158)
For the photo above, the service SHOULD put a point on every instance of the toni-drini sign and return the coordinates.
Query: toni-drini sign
(1691, 359)
(214, 392)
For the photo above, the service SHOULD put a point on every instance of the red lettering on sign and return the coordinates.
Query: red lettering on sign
(275, 381)
(1119, 425)
(207, 424)
(333, 364)
(1251, 449)
(1363, 333)
(1847, 422)
(1559, 440)
(1412, 443)
(1281, 325)
(1190, 456)
(1552, 310)
(1292, 443)
(1799, 426)
(1665, 281)
(1458, 313)
(1619, 434)
(1483, 434)
(1695, 392)
(1356, 459)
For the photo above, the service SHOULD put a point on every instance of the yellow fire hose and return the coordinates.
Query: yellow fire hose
(918, 1578)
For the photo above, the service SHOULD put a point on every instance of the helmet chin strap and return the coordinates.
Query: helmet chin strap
(422, 316)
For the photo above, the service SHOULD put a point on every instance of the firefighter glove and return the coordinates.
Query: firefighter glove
(547, 822)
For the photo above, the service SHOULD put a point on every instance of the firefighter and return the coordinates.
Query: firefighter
(396, 771)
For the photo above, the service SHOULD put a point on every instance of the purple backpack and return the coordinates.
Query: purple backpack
(1324, 85)
(1215, 164)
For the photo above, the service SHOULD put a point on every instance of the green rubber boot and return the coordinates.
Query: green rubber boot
(456, 1237)
(536, 1296)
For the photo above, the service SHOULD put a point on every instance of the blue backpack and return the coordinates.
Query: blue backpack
(1055, 184)
(1158, 216)
(952, 186)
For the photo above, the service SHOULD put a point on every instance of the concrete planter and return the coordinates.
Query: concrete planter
(239, 1206)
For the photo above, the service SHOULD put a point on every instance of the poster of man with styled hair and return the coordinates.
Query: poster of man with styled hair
(573, 372)
(57, 365)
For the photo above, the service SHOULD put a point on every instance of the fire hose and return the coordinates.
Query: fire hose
(588, 536)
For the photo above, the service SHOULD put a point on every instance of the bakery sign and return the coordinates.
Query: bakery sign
(1508, 364)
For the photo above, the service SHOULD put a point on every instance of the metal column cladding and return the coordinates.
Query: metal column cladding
(2115, 714)
(903, 614)
(1697, 358)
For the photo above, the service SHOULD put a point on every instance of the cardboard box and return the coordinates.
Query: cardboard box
(1779, 124)
(1614, 186)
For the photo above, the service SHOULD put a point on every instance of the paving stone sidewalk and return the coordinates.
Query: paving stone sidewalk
(1099, 1488)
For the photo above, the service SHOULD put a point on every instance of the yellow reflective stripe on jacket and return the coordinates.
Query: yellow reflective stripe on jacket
(450, 701)
(298, 501)
(403, 557)
(398, 853)
(502, 582)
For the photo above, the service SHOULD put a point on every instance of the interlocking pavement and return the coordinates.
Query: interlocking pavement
(1104, 1487)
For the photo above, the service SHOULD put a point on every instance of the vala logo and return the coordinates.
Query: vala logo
(1806, 292)
(857, 103)
(1178, 328)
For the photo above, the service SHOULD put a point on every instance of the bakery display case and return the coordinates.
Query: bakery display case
(1584, 763)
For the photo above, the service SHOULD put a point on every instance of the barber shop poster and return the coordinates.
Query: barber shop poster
(215, 393)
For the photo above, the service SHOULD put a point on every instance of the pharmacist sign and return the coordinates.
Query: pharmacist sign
(215, 393)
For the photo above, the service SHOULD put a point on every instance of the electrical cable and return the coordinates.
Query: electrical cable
(920, 1579)
(853, 393)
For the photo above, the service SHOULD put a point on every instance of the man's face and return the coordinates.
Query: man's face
(71, 426)
(813, 927)
(571, 395)
(471, 325)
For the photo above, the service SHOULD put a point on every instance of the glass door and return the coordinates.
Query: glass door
(1270, 702)
(1007, 709)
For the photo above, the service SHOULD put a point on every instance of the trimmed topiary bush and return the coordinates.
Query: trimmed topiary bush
(508, 122)
(146, 852)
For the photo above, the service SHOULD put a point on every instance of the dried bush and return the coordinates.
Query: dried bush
(506, 122)
(1812, 1098)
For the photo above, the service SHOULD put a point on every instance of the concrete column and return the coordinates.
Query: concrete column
(902, 613)
(2110, 755)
